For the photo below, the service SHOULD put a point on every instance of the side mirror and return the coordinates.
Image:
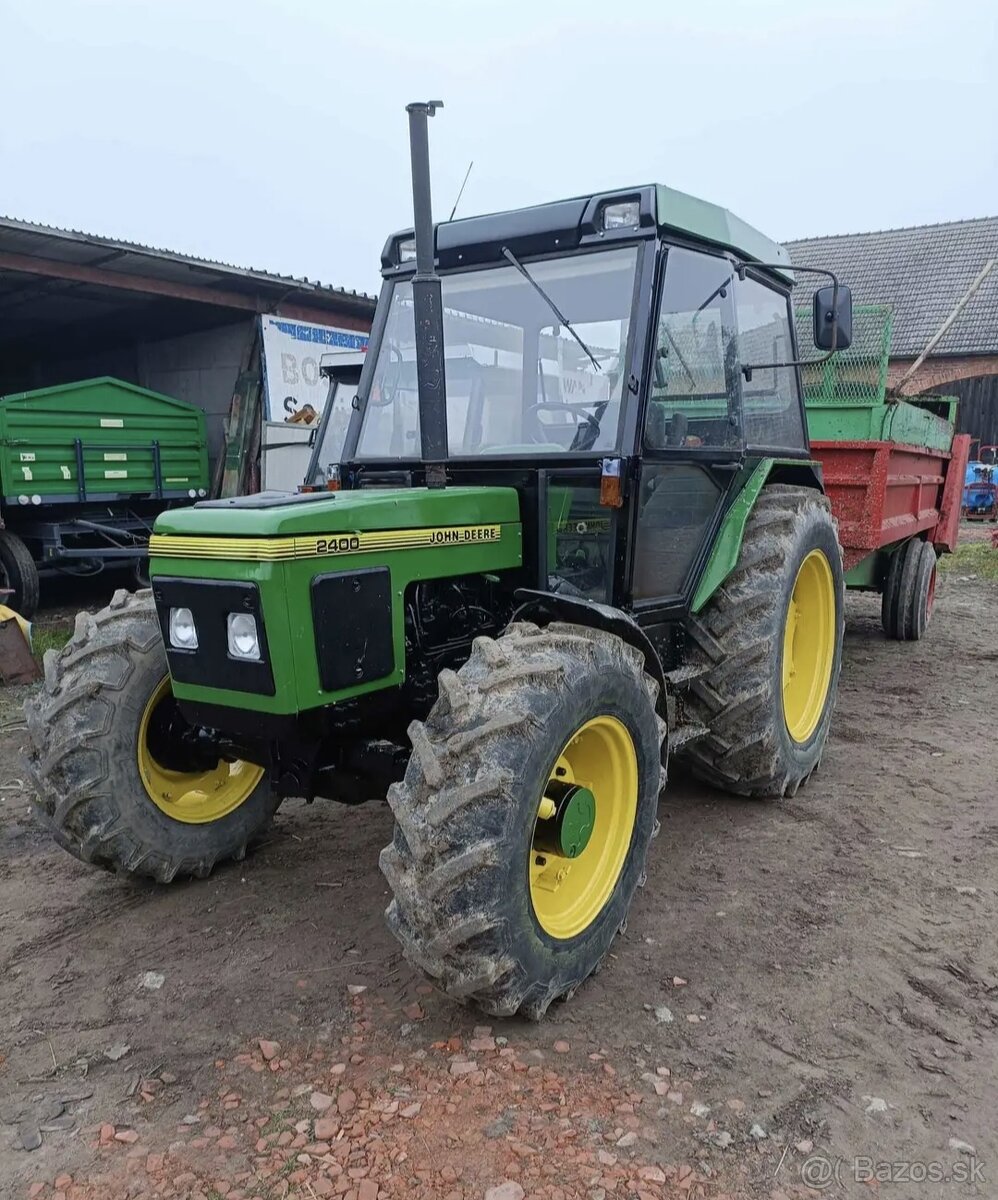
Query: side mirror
(828, 318)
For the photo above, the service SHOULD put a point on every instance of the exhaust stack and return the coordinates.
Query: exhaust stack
(427, 306)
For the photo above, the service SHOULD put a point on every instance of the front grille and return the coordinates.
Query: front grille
(352, 614)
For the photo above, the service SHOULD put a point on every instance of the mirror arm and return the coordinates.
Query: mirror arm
(742, 268)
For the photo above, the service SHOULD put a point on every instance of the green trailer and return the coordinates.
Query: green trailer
(85, 468)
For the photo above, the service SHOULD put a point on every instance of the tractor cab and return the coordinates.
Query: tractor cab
(621, 359)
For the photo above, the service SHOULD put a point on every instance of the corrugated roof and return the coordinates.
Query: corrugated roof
(71, 245)
(921, 272)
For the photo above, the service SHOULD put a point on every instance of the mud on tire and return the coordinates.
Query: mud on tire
(458, 864)
(739, 638)
(83, 754)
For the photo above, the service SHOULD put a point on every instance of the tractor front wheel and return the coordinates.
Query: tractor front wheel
(525, 816)
(120, 780)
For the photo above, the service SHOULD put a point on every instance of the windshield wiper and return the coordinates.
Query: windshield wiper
(511, 257)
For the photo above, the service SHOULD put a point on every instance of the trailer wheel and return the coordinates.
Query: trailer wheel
(909, 592)
(117, 784)
(525, 816)
(771, 640)
(19, 573)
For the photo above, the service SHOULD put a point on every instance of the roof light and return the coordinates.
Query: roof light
(407, 250)
(624, 215)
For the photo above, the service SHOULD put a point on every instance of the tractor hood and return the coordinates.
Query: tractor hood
(276, 514)
(324, 576)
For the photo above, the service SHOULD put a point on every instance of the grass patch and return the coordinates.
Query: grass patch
(971, 558)
(49, 637)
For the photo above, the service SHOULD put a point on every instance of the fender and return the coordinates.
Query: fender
(544, 607)
(728, 543)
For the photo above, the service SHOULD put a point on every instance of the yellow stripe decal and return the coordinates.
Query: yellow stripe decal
(280, 549)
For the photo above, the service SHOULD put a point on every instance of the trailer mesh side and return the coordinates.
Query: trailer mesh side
(857, 376)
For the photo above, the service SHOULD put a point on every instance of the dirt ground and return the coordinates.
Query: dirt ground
(804, 987)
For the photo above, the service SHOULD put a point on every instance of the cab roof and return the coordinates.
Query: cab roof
(568, 224)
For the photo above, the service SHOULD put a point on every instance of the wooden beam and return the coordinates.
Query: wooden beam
(937, 337)
(219, 297)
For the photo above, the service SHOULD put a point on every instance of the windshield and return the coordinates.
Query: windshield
(517, 381)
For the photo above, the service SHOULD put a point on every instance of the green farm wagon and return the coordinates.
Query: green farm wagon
(85, 468)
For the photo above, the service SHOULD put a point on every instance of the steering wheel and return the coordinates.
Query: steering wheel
(389, 386)
(575, 409)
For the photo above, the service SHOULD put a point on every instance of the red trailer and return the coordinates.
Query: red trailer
(894, 471)
(897, 507)
(882, 493)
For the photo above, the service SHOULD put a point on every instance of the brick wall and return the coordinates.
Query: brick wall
(935, 373)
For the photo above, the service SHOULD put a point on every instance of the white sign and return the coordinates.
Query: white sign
(292, 351)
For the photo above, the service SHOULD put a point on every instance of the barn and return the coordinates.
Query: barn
(921, 273)
(75, 306)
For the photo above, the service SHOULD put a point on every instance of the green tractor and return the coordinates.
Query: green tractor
(576, 528)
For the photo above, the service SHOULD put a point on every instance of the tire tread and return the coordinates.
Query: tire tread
(452, 805)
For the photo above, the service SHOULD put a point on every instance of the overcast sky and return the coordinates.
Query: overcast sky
(273, 134)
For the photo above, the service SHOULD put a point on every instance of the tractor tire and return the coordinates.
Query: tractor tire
(909, 592)
(93, 770)
(481, 903)
(782, 604)
(19, 573)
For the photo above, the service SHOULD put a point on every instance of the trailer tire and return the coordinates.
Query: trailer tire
(19, 573)
(744, 697)
(486, 913)
(909, 591)
(90, 736)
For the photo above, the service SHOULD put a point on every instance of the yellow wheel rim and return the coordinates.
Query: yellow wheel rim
(194, 797)
(568, 894)
(808, 646)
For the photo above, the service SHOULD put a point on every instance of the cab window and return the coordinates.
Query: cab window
(694, 393)
(771, 410)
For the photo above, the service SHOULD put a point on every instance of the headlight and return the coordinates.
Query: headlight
(244, 639)
(407, 250)
(183, 631)
(625, 215)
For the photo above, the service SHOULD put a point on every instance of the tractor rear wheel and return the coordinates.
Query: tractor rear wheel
(771, 640)
(525, 816)
(117, 782)
(18, 573)
(909, 592)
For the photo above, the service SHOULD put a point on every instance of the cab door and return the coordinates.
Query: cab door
(692, 438)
